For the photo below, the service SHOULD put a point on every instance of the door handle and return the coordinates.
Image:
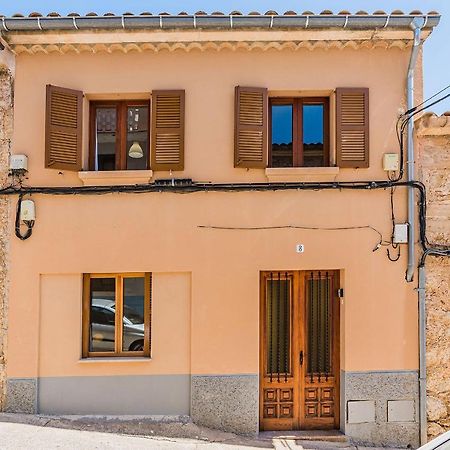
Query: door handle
(301, 358)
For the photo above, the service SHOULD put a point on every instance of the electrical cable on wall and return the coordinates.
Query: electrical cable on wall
(404, 119)
(380, 243)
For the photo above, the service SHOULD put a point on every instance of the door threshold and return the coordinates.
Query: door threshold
(306, 435)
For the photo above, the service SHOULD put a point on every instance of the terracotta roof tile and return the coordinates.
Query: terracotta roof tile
(234, 13)
(326, 12)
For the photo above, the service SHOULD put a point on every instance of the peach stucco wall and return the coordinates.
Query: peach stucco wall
(206, 290)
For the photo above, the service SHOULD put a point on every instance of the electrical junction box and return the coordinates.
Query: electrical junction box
(27, 211)
(391, 162)
(401, 233)
(18, 163)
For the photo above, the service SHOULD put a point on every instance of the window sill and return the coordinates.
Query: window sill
(293, 174)
(118, 359)
(115, 177)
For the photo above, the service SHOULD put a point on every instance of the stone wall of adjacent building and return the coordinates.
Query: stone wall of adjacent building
(6, 127)
(433, 134)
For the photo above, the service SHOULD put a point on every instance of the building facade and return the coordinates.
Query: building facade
(210, 228)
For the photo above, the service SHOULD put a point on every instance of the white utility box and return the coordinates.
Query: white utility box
(391, 162)
(401, 233)
(18, 163)
(27, 211)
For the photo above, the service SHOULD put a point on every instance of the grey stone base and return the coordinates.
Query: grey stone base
(146, 395)
(366, 417)
(21, 395)
(228, 403)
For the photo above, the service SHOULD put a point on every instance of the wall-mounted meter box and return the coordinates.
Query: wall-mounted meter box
(401, 233)
(18, 163)
(391, 162)
(27, 211)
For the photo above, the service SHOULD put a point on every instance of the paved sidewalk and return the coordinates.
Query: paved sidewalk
(25, 432)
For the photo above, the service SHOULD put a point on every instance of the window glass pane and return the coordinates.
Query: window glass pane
(133, 314)
(319, 324)
(278, 325)
(102, 317)
(313, 137)
(105, 151)
(137, 137)
(282, 136)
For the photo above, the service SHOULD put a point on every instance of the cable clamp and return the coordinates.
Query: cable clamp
(4, 24)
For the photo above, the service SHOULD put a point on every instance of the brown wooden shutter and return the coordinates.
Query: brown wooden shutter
(167, 130)
(250, 136)
(352, 127)
(63, 128)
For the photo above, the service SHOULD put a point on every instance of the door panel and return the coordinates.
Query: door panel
(299, 357)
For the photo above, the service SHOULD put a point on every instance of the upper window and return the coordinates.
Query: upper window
(120, 135)
(116, 315)
(299, 130)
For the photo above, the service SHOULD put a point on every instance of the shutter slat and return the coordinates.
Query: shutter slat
(63, 132)
(168, 130)
(251, 127)
(352, 128)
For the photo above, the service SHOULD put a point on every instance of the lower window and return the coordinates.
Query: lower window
(117, 315)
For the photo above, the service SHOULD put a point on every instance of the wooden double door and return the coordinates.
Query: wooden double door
(299, 350)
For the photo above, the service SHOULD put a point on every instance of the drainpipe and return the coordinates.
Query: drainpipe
(422, 357)
(416, 25)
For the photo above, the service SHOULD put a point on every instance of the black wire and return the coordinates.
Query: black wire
(426, 101)
(400, 131)
(429, 249)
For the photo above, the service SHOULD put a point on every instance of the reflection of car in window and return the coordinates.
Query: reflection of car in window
(103, 326)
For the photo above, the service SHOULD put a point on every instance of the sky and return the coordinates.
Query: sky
(436, 48)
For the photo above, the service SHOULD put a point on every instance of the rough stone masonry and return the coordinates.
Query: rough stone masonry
(433, 135)
(6, 130)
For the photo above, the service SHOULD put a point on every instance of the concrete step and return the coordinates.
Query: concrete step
(306, 435)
